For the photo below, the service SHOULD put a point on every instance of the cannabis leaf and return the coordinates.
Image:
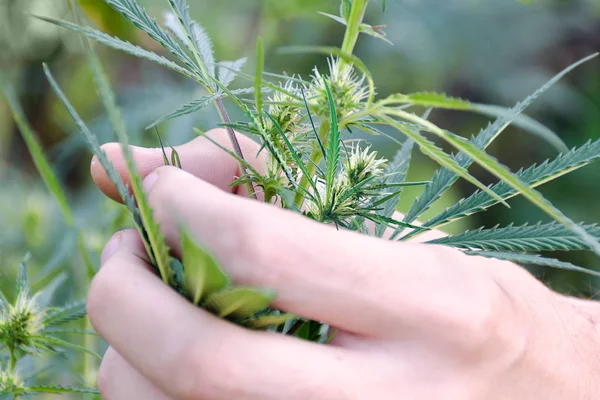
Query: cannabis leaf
(525, 238)
(533, 176)
(443, 179)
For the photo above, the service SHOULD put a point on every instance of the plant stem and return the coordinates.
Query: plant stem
(315, 156)
(89, 362)
(13, 360)
(221, 110)
(357, 14)
(234, 142)
(85, 255)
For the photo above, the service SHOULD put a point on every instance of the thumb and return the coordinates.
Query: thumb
(199, 157)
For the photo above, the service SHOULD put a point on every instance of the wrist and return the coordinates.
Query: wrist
(568, 351)
(586, 315)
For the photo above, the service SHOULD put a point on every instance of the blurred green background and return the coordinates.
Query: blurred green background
(489, 51)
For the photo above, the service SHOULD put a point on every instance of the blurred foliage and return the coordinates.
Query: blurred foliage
(490, 51)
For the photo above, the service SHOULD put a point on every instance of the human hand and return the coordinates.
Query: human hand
(416, 321)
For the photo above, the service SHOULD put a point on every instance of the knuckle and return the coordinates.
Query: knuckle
(487, 317)
(494, 329)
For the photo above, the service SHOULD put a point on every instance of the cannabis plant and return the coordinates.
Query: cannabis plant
(306, 127)
(30, 326)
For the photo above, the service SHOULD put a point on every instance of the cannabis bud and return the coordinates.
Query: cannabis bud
(360, 166)
(285, 109)
(21, 323)
(348, 89)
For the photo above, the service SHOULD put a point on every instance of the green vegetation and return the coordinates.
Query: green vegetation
(321, 163)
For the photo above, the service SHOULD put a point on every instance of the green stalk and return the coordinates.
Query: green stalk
(357, 14)
(13, 360)
(222, 114)
(234, 142)
(316, 155)
(89, 361)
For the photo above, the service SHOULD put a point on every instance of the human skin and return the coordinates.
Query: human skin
(415, 321)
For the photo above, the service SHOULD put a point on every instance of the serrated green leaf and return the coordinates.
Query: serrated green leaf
(312, 125)
(439, 100)
(443, 179)
(23, 278)
(65, 314)
(502, 172)
(534, 176)
(50, 342)
(395, 173)
(43, 297)
(92, 143)
(140, 18)
(525, 238)
(188, 108)
(53, 331)
(239, 302)
(385, 221)
(199, 40)
(153, 238)
(333, 148)
(149, 230)
(533, 260)
(228, 70)
(202, 274)
(120, 45)
(59, 389)
(428, 99)
(171, 22)
(260, 64)
(524, 122)
(435, 153)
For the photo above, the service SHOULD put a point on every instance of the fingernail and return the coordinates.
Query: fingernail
(149, 181)
(111, 247)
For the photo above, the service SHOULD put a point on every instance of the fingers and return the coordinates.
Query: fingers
(360, 284)
(117, 380)
(190, 354)
(199, 157)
